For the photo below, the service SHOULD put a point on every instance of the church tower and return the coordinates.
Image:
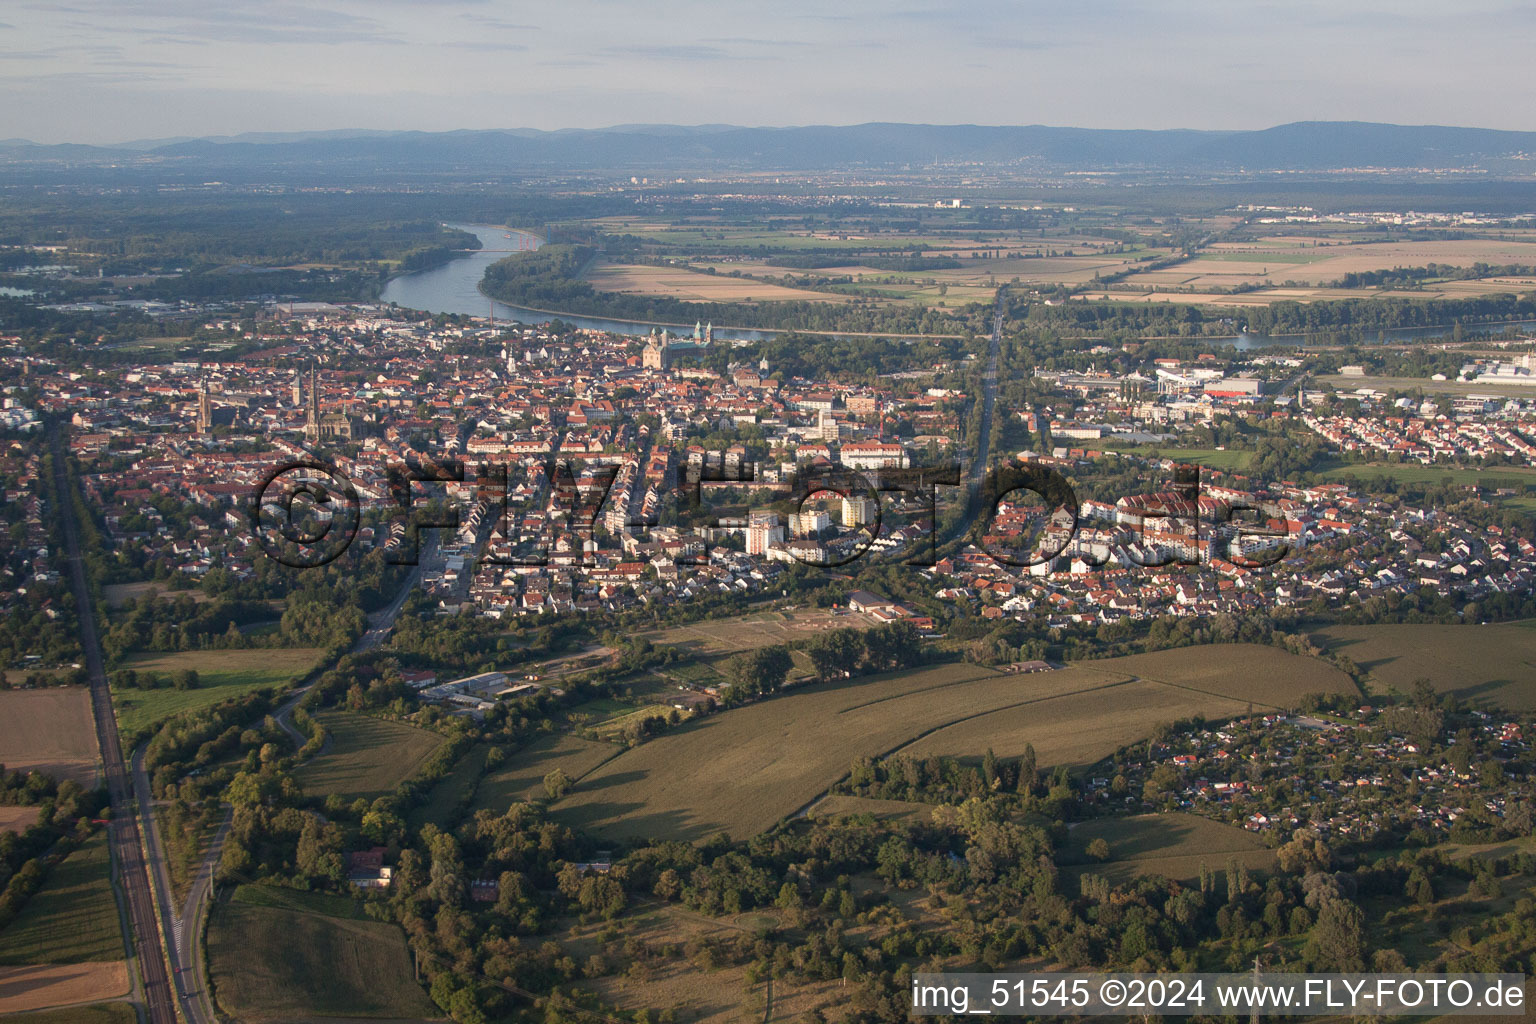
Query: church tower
(204, 410)
(298, 390)
(312, 416)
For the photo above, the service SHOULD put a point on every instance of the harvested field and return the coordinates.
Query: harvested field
(101, 1013)
(521, 778)
(365, 757)
(1491, 666)
(39, 987)
(1171, 845)
(50, 730)
(694, 287)
(17, 819)
(270, 964)
(1074, 729)
(742, 770)
(1265, 675)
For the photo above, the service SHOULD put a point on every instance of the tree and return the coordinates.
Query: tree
(1098, 849)
(835, 652)
(758, 671)
(1337, 941)
(894, 645)
(557, 784)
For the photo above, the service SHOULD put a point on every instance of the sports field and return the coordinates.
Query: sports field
(365, 757)
(1171, 845)
(221, 675)
(50, 730)
(276, 964)
(742, 770)
(1491, 666)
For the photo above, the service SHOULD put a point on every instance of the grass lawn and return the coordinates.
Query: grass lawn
(271, 964)
(1233, 459)
(365, 757)
(73, 918)
(221, 675)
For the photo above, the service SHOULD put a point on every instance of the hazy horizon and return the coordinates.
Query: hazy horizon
(105, 72)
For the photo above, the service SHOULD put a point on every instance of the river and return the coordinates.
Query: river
(454, 287)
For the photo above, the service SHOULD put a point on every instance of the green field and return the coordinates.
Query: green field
(1228, 459)
(221, 675)
(1488, 666)
(742, 770)
(521, 778)
(365, 757)
(272, 964)
(73, 918)
(1171, 845)
(1413, 473)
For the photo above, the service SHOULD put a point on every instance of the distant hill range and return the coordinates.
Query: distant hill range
(1303, 146)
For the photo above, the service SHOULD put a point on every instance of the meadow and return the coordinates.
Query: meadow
(1490, 666)
(221, 675)
(365, 757)
(1172, 845)
(50, 730)
(457, 786)
(73, 918)
(521, 778)
(742, 770)
(269, 963)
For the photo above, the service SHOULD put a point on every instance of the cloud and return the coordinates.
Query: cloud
(485, 47)
(491, 21)
(661, 51)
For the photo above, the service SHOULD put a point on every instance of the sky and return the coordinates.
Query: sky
(109, 71)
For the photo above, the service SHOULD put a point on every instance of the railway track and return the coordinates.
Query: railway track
(127, 848)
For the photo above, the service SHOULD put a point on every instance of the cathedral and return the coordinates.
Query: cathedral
(331, 426)
(658, 352)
